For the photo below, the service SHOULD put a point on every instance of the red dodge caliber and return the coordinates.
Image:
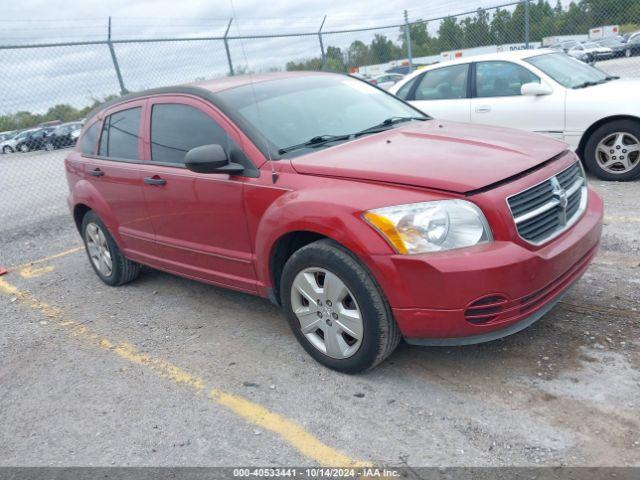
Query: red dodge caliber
(365, 219)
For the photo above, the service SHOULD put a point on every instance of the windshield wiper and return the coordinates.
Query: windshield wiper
(588, 83)
(385, 124)
(591, 83)
(315, 142)
(320, 140)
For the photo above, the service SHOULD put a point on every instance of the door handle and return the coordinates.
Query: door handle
(96, 172)
(483, 109)
(155, 180)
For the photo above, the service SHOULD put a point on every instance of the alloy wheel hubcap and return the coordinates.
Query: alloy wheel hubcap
(328, 313)
(618, 152)
(99, 249)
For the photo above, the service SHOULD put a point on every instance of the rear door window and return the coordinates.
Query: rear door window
(120, 134)
(445, 83)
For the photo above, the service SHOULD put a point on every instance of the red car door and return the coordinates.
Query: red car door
(199, 219)
(114, 172)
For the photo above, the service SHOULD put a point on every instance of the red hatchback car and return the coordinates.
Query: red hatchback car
(366, 220)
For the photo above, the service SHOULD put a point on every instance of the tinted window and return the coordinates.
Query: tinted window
(88, 142)
(289, 111)
(120, 134)
(443, 83)
(406, 88)
(176, 129)
(501, 79)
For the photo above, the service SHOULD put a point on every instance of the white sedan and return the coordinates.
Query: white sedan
(542, 91)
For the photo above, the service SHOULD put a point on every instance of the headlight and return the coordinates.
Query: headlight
(431, 226)
(75, 133)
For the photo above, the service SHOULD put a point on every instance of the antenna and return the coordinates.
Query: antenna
(274, 174)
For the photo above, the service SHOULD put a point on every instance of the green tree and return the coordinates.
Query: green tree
(382, 49)
(450, 35)
(358, 54)
(476, 30)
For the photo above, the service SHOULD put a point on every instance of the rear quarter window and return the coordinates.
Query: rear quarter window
(89, 139)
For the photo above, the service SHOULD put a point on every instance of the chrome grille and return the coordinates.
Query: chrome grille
(547, 209)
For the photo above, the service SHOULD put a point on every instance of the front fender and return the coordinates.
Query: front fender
(318, 211)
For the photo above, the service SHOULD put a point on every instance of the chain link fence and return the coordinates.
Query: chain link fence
(60, 80)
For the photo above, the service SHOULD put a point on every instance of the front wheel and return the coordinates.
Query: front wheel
(613, 151)
(106, 258)
(7, 149)
(336, 310)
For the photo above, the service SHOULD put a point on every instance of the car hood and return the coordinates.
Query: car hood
(626, 90)
(451, 156)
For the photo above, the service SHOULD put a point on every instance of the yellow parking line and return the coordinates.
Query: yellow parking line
(49, 258)
(619, 219)
(27, 270)
(292, 433)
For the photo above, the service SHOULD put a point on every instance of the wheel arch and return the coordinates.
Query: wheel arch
(79, 211)
(86, 197)
(281, 250)
(603, 121)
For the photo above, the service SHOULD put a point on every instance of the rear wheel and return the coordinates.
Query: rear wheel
(336, 310)
(613, 151)
(106, 258)
(49, 147)
(24, 148)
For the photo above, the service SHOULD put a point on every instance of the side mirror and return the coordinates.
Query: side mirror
(210, 159)
(534, 89)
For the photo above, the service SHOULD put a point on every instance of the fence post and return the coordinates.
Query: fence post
(123, 90)
(407, 36)
(226, 47)
(526, 24)
(323, 55)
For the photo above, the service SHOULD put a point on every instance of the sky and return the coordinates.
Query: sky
(35, 79)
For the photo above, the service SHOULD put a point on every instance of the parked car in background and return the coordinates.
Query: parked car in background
(64, 135)
(630, 36)
(387, 80)
(364, 219)
(542, 91)
(6, 136)
(617, 46)
(633, 46)
(590, 52)
(34, 140)
(564, 46)
(50, 123)
(9, 145)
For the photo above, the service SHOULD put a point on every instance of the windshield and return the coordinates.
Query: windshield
(291, 111)
(568, 71)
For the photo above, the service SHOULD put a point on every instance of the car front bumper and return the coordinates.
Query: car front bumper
(446, 290)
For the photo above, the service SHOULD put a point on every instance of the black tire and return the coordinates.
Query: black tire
(123, 270)
(631, 127)
(381, 334)
(24, 148)
(49, 147)
(7, 149)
